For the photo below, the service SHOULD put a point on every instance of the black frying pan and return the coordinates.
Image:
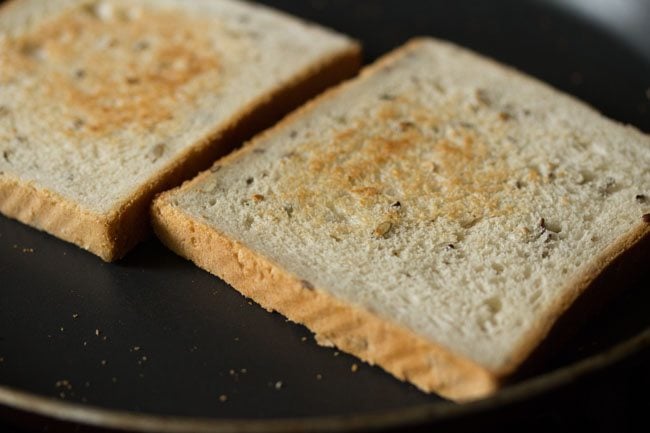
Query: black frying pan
(153, 343)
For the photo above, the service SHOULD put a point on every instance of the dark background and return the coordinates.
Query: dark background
(172, 338)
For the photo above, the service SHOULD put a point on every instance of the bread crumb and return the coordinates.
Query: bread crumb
(278, 384)
(75, 315)
(63, 383)
(135, 348)
(243, 371)
(319, 376)
(2, 359)
(103, 362)
(223, 398)
(28, 250)
(97, 332)
(114, 379)
(336, 353)
(354, 368)
(303, 339)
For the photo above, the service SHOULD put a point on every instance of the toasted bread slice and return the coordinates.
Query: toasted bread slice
(105, 103)
(434, 216)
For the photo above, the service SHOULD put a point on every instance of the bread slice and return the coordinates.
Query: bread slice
(105, 103)
(433, 216)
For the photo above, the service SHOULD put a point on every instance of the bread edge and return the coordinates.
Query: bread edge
(407, 356)
(112, 235)
(52, 213)
(354, 330)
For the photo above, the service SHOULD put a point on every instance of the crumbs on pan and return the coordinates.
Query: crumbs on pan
(64, 386)
(26, 250)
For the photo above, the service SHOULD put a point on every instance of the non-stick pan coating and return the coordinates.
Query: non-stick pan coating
(155, 335)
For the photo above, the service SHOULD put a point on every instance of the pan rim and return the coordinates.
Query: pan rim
(90, 416)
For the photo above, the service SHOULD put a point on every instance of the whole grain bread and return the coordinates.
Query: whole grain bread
(105, 103)
(433, 216)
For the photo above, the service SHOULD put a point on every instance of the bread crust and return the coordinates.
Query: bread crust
(352, 329)
(112, 235)
(52, 213)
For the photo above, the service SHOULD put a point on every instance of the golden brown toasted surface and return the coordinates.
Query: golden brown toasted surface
(125, 67)
(402, 153)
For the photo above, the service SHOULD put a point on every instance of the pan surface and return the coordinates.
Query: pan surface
(153, 343)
